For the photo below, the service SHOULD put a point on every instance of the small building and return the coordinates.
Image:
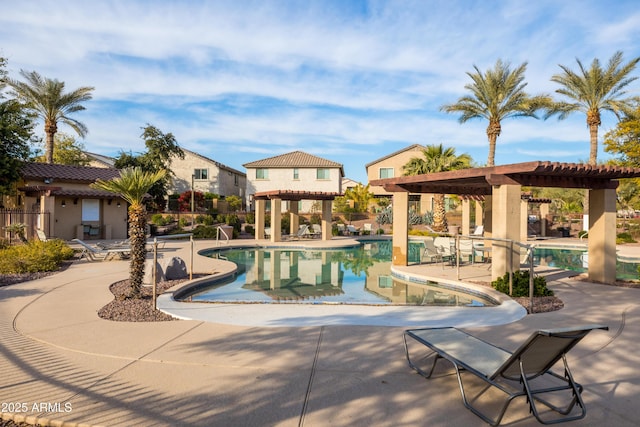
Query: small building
(295, 171)
(58, 200)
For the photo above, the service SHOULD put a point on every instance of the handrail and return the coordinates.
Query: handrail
(220, 229)
(529, 257)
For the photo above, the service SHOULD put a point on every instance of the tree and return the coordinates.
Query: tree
(161, 148)
(361, 196)
(67, 151)
(496, 95)
(592, 91)
(47, 99)
(437, 159)
(624, 140)
(16, 136)
(132, 185)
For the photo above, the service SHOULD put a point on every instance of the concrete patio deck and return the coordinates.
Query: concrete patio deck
(65, 364)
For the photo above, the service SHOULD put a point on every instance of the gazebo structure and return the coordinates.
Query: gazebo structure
(501, 188)
(276, 197)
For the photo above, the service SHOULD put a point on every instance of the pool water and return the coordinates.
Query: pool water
(577, 260)
(355, 275)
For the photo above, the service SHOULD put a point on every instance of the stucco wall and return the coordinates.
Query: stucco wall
(396, 162)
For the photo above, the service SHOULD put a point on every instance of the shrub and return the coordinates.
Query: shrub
(183, 222)
(205, 232)
(249, 229)
(521, 285)
(250, 218)
(234, 221)
(160, 220)
(34, 257)
(624, 238)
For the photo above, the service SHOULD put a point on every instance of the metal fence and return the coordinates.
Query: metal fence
(20, 216)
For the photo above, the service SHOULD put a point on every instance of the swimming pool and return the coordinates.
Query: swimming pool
(359, 275)
(575, 259)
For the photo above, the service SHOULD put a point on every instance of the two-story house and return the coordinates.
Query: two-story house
(391, 166)
(206, 176)
(295, 171)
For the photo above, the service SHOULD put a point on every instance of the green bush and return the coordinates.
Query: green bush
(249, 229)
(161, 220)
(234, 221)
(250, 218)
(205, 232)
(34, 257)
(521, 285)
(624, 238)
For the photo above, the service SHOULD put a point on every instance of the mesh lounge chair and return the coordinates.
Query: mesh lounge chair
(93, 252)
(512, 373)
(431, 253)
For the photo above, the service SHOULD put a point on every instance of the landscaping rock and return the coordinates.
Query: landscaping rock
(174, 268)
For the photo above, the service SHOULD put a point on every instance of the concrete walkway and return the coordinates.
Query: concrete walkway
(61, 362)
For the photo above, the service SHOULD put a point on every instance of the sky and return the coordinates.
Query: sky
(349, 81)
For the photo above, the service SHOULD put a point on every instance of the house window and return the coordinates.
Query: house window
(296, 173)
(201, 174)
(322, 173)
(235, 179)
(262, 173)
(386, 173)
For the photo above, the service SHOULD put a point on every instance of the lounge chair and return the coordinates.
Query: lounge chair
(516, 374)
(352, 230)
(316, 230)
(42, 236)
(447, 248)
(303, 231)
(93, 252)
(479, 231)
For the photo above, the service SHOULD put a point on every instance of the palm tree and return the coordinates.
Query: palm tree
(437, 159)
(592, 91)
(47, 99)
(496, 95)
(132, 185)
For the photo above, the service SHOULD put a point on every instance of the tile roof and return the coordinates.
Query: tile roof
(411, 147)
(295, 159)
(218, 164)
(37, 171)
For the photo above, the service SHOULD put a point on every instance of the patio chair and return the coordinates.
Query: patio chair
(479, 231)
(352, 230)
(525, 372)
(469, 250)
(316, 230)
(446, 247)
(93, 253)
(302, 232)
(42, 236)
(431, 253)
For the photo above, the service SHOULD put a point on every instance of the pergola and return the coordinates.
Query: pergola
(276, 197)
(501, 188)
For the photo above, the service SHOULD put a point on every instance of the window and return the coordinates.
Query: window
(235, 179)
(296, 173)
(262, 173)
(201, 174)
(386, 173)
(90, 210)
(322, 173)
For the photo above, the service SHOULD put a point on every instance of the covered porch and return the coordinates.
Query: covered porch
(501, 187)
(277, 197)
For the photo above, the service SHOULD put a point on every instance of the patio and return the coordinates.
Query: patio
(56, 351)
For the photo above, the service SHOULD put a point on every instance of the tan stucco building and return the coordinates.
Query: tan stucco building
(295, 171)
(65, 206)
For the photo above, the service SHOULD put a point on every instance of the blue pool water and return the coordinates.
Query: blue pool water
(577, 260)
(356, 275)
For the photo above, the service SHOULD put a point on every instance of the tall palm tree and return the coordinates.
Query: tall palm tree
(132, 185)
(496, 95)
(46, 97)
(592, 91)
(437, 159)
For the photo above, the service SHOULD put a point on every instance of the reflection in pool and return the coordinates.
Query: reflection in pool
(577, 260)
(356, 275)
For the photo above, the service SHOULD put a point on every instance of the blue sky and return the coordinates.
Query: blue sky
(350, 81)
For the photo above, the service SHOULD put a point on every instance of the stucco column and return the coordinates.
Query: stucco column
(326, 220)
(400, 242)
(479, 213)
(524, 220)
(294, 218)
(544, 211)
(505, 224)
(602, 235)
(47, 223)
(261, 206)
(276, 220)
(466, 217)
(275, 275)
